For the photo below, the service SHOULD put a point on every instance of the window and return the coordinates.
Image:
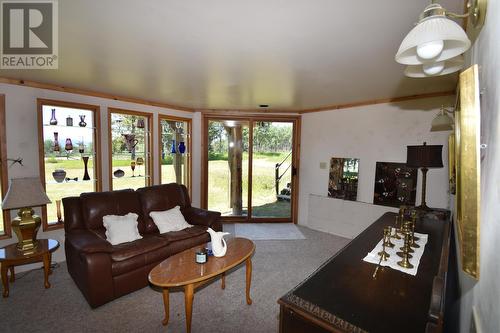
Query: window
(69, 154)
(130, 149)
(175, 150)
(4, 216)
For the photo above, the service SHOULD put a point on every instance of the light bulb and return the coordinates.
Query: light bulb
(430, 50)
(433, 68)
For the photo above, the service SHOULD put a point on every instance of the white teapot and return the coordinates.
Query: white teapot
(219, 246)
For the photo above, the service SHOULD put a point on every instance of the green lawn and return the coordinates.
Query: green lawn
(263, 194)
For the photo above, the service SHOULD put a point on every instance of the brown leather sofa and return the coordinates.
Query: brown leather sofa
(104, 272)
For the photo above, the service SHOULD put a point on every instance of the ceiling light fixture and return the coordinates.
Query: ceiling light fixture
(434, 69)
(442, 122)
(435, 45)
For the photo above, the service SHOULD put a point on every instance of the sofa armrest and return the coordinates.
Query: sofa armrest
(198, 216)
(87, 242)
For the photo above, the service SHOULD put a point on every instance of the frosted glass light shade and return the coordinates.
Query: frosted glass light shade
(450, 66)
(433, 29)
(433, 68)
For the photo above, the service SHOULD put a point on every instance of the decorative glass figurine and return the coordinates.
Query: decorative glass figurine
(182, 147)
(56, 147)
(86, 175)
(173, 150)
(69, 121)
(53, 120)
(82, 122)
(69, 145)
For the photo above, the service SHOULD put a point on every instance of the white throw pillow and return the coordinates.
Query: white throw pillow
(170, 220)
(121, 229)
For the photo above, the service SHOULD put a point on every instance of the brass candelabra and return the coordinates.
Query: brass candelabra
(405, 254)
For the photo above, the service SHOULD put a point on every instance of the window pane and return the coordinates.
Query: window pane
(130, 151)
(228, 167)
(272, 169)
(69, 155)
(2, 226)
(174, 151)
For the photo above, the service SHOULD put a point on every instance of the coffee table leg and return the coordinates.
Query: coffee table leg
(166, 305)
(46, 268)
(223, 281)
(12, 274)
(5, 281)
(249, 280)
(188, 298)
(50, 263)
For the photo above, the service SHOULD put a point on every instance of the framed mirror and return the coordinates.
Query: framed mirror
(343, 180)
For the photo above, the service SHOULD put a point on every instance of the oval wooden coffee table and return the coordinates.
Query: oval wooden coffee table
(181, 270)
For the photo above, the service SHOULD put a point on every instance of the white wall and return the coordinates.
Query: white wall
(373, 133)
(22, 139)
(483, 296)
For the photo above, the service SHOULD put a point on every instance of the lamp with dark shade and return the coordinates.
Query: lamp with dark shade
(424, 157)
(25, 193)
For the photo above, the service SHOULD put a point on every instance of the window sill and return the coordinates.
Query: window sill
(53, 226)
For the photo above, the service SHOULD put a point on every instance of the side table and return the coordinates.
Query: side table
(10, 256)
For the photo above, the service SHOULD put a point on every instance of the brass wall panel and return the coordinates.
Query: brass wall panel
(467, 157)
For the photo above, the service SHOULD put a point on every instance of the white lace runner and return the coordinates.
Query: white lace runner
(392, 261)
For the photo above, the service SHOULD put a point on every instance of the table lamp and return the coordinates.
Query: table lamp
(424, 157)
(25, 193)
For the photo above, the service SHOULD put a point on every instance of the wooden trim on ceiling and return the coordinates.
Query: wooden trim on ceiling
(49, 86)
(227, 112)
(3, 166)
(379, 101)
(257, 112)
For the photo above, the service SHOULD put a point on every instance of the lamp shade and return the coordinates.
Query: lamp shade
(25, 192)
(449, 66)
(428, 156)
(430, 32)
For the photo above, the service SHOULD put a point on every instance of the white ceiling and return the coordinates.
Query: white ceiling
(229, 54)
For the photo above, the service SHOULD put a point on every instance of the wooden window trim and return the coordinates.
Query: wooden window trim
(149, 117)
(189, 122)
(252, 118)
(4, 166)
(41, 153)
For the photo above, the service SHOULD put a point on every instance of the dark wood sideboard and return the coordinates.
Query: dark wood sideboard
(342, 296)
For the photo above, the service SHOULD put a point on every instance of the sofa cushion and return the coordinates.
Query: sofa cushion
(121, 229)
(128, 250)
(175, 236)
(161, 198)
(95, 205)
(169, 220)
(129, 256)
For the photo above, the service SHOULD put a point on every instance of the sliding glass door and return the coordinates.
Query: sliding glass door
(272, 169)
(228, 167)
(249, 168)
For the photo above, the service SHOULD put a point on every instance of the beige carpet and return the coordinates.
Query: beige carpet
(278, 266)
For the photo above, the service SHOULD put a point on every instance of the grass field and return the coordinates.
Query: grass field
(263, 194)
